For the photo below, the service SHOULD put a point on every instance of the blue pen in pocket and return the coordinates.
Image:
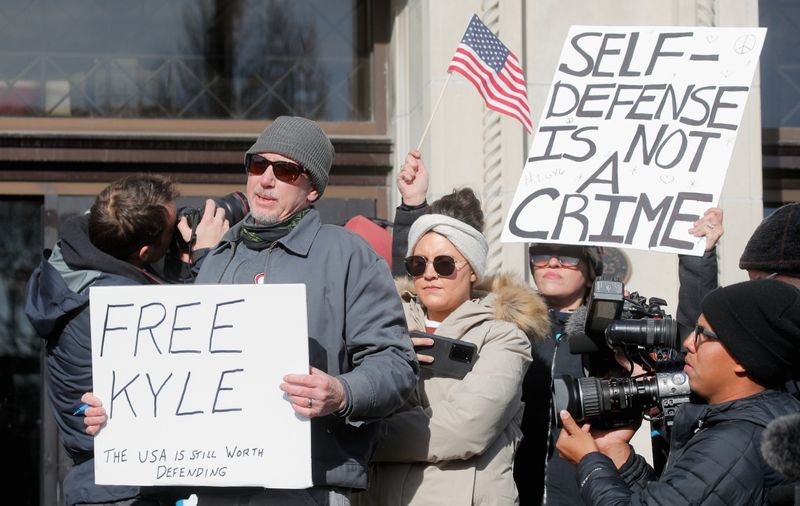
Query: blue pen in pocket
(81, 409)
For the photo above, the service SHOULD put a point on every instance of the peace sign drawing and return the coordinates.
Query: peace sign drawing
(744, 44)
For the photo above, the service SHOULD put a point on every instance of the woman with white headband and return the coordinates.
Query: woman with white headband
(454, 441)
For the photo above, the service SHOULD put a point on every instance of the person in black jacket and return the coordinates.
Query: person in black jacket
(564, 275)
(130, 226)
(745, 346)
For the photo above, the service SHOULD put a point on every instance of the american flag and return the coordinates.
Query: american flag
(494, 70)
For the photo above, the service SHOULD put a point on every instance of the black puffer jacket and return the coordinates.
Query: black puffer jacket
(714, 459)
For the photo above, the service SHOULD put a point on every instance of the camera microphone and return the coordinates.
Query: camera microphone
(577, 321)
(780, 445)
(575, 330)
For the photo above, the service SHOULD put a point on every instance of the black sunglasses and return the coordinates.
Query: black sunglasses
(699, 330)
(288, 172)
(444, 265)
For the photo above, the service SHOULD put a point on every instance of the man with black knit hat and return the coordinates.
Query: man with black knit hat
(363, 365)
(745, 346)
(774, 248)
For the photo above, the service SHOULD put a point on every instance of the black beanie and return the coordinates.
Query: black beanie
(775, 245)
(759, 324)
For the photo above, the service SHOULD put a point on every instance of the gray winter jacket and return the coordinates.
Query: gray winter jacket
(356, 325)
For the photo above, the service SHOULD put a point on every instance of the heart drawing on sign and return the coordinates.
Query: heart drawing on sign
(666, 178)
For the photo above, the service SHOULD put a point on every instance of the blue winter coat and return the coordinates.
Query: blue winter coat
(57, 304)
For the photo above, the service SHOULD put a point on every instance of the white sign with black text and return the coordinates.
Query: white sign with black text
(635, 137)
(190, 378)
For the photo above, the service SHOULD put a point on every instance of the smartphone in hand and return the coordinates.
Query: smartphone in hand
(452, 358)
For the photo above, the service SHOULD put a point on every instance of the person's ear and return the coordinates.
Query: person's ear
(138, 257)
(473, 278)
(313, 195)
(141, 256)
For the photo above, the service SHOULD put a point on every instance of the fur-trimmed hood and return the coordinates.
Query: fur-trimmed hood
(509, 298)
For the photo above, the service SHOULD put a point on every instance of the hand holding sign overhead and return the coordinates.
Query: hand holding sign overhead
(710, 227)
(635, 137)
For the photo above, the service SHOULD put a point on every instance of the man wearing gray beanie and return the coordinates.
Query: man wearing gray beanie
(362, 363)
(745, 345)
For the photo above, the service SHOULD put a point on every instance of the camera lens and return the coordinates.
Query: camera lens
(648, 332)
(235, 205)
(609, 402)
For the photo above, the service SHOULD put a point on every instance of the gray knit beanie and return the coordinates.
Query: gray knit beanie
(301, 140)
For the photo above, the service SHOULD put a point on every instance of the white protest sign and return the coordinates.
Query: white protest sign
(635, 136)
(190, 378)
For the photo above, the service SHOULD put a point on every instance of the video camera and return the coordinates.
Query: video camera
(613, 323)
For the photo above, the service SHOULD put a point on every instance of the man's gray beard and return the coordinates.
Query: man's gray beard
(264, 219)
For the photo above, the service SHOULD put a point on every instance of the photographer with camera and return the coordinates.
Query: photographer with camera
(564, 276)
(129, 227)
(745, 345)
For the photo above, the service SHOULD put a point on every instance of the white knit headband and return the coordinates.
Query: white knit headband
(471, 243)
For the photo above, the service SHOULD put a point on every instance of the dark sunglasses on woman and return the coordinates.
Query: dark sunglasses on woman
(444, 265)
(567, 256)
(288, 172)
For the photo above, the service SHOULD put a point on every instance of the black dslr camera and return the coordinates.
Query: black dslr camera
(641, 330)
(236, 208)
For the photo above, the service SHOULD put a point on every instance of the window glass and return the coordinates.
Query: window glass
(780, 63)
(186, 59)
(20, 348)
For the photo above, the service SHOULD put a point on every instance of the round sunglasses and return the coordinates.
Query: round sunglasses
(288, 172)
(444, 265)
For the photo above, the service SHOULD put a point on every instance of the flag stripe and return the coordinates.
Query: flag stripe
(504, 74)
(513, 112)
(489, 86)
(515, 69)
(492, 102)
